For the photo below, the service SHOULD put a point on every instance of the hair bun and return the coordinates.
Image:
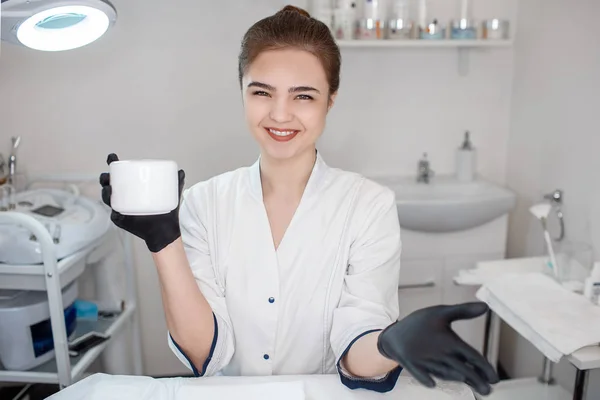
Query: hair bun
(296, 10)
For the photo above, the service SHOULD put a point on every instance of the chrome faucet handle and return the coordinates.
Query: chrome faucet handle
(16, 140)
(12, 159)
(555, 197)
(424, 171)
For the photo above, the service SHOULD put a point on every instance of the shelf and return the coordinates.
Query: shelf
(32, 277)
(52, 275)
(47, 372)
(451, 43)
(461, 45)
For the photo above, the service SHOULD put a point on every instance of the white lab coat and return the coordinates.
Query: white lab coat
(297, 309)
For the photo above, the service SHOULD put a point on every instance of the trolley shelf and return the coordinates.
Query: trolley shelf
(47, 372)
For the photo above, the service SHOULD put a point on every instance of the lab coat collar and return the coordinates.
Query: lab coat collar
(314, 181)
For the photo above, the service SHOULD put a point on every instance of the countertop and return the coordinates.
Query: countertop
(315, 387)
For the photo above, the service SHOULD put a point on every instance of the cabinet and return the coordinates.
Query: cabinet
(431, 261)
(420, 285)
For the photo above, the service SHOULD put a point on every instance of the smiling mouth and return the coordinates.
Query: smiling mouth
(283, 135)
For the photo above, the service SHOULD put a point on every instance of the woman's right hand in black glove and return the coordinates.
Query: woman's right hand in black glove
(158, 231)
(425, 344)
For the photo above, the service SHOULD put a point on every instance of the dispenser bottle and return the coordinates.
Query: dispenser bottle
(466, 160)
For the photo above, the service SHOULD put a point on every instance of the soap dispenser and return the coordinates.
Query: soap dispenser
(466, 160)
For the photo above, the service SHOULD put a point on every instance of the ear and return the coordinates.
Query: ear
(331, 101)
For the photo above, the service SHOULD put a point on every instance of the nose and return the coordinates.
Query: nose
(281, 111)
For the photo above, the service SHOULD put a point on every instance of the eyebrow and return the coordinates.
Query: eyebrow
(293, 89)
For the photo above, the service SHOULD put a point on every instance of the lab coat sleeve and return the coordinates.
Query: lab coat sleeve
(198, 251)
(369, 300)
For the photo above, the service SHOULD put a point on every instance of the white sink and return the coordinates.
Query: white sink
(446, 205)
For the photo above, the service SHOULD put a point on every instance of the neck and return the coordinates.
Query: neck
(287, 177)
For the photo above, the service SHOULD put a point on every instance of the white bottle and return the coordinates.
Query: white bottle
(400, 24)
(322, 10)
(466, 160)
(344, 21)
(591, 288)
(372, 25)
(325, 15)
(372, 9)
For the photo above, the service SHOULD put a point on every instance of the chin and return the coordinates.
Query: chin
(279, 153)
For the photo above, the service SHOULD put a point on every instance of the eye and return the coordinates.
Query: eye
(304, 97)
(260, 93)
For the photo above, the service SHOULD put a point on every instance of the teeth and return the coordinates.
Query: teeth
(281, 133)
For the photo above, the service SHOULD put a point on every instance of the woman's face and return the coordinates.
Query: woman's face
(286, 100)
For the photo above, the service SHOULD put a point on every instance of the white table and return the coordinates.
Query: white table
(316, 387)
(583, 359)
(586, 358)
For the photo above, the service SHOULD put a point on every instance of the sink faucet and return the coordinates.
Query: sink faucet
(12, 160)
(424, 172)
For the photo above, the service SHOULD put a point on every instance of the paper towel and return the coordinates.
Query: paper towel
(116, 387)
(555, 320)
(487, 271)
(245, 391)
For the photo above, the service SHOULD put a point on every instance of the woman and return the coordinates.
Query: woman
(290, 266)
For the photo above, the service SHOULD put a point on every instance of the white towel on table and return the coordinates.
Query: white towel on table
(487, 271)
(555, 320)
(248, 391)
(116, 387)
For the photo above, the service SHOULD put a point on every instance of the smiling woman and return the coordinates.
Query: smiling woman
(289, 68)
(290, 266)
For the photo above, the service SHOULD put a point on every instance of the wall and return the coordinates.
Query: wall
(163, 83)
(553, 143)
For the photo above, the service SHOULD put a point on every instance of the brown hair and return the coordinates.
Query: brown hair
(292, 27)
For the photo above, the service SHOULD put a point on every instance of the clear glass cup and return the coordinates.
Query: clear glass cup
(574, 261)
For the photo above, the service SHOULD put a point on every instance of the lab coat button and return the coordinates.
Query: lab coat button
(271, 300)
(266, 356)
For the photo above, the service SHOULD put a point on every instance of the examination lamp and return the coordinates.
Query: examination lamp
(55, 25)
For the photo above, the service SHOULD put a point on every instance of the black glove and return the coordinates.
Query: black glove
(158, 231)
(426, 346)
